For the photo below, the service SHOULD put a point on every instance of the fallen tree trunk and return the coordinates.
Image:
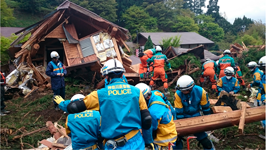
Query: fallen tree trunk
(217, 121)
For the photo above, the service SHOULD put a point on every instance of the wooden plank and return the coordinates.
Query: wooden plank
(213, 101)
(58, 32)
(33, 90)
(79, 51)
(117, 50)
(127, 60)
(217, 121)
(221, 109)
(72, 30)
(242, 118)
(94, 47)
(125, 45)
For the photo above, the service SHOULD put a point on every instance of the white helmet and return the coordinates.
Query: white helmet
(229, 71)
(158, 48)
(262, 62)
(144, 88)
(54, 54)
(252, 65)
(227, 51)
(217, 62)
(112, 65)
(207, 59)
(184, 83)
(77, 96)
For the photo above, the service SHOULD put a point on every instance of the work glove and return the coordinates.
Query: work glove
(58, 99)
(149, 146)
(171, 69)
(231, 93)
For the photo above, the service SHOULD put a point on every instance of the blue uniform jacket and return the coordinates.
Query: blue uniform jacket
(156, 92)
(160, 115)
(257, 75)
(190, 105)
(120, 105)
(228, 85)
(57, 82)
(83, 128)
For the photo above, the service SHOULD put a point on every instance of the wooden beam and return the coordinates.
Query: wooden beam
(242, 118)
(125, 45)
(216, 121)
(117, 50)
(221, 109)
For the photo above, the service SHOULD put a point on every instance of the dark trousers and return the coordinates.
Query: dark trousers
(2, 97)
(60, 92)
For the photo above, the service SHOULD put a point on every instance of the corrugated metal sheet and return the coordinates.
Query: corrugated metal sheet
(86, 47)
(186, 37)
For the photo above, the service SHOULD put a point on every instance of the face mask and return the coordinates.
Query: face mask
(228, 77)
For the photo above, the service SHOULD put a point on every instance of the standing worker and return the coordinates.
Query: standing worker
(158, 61)
(83, 127)
(239, 75)
(190, 99)
(163, 131)
(262, 65)
(56, 71)
(122, 106)
(224, 62)
(143, 66)
(257, 76)
(3, 112)
(209, 68)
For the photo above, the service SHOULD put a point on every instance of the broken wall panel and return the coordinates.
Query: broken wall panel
(72, 30)
(58, 32)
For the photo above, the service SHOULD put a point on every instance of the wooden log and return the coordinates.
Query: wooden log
(117, 50)
(221, 109)
(29, 133)
(242, 119)
(217, 121)
(33, 90)
(213, 101)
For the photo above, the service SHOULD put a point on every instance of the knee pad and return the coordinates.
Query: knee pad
(206, 143)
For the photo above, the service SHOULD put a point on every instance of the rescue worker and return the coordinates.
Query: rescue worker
(3, 112)
(122, 106)
(239, 75)
(158, 61)
(158, 93)
(123, 77)
(83, 127)
(224, 62)
(143, 66)
(56, 70)
(163, 131)
(262, 65)
(228, 83)
(257, 76)
(190, 99)
(209, 68)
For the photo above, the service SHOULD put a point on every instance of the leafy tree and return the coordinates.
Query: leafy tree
(104, 8)
(172, 41)
(148, 44)
(136, 19)
(163, 15)
(185, 24)
(241, 24)
(5, 44)
(31, 6)
(6, 14)
(123, 5)
(209, 29)
(213, 8)
(194, 5)
(249, 40)
(257, 30)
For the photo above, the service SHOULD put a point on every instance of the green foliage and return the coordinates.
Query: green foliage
(257, 30)
(31, 6)
(194, 5)
(248, 40)
(5, 44)
(24, 19)
(172, 41)
(136, 19)
(213, 8)
(185, 24)
(228, 39)
(148, 44)
(6, 14)
(239, 22)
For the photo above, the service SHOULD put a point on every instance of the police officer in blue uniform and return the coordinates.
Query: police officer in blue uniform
(56, 71)
(190, 99)
(122, 106)
(83, 127)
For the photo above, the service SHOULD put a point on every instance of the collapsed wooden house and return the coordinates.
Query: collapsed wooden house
(83, 40)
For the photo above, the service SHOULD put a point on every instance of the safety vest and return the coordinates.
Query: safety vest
(3, 79)
(57, 68)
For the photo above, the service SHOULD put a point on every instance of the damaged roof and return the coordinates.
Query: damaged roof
(186, 37)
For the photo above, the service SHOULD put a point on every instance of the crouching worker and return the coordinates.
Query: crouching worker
(122, 106)
(143, 66)
(163, 131)
(228, 86)
(83, 127)
(190, 99)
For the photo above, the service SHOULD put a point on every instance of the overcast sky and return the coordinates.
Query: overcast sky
(254, 9)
